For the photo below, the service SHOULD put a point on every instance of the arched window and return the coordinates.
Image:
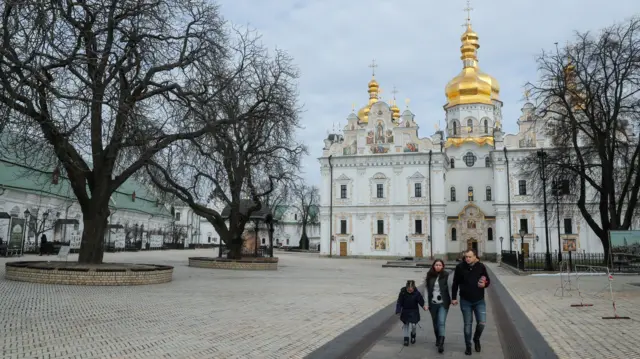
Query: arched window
(488, 194)
(453, 194)
(455, 127)
(470, 125)
(470, 194)
(490, 234)
(486, 126)
(453, 163)
(454, 235)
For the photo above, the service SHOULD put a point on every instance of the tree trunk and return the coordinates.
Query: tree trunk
(304, 239)
(92, 245)
(235, 248)
(607, 249)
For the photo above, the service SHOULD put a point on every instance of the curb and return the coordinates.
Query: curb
(518, 336)
(357, 340)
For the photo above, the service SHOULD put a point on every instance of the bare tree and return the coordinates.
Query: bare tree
(106, 85)
(242, 165)
(588, 97)
(305, 201)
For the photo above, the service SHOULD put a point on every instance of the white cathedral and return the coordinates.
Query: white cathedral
(388, 193)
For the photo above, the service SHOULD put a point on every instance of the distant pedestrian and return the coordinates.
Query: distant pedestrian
(408, 308)
(438, 300)
(472, 278)
(43, 244)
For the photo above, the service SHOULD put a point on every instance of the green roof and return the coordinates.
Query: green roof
(24, 178)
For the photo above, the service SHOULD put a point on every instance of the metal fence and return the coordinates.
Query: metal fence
(248, 252)
(535, 262)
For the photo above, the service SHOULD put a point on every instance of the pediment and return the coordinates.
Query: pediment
(343, 177)
(471, 211)
(379, 175)
(417, 175)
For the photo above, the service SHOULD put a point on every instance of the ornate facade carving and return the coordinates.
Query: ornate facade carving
(343, 180)
(379, 179)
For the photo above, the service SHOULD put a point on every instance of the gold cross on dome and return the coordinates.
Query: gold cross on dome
(527, 94)
(406, 102)
(353, 107)
(468, 10)
(373, 67)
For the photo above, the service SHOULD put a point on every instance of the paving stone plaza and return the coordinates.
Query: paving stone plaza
(201, 314)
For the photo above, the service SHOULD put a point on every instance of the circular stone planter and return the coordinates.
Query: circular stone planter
(237, 264)
(72, 273)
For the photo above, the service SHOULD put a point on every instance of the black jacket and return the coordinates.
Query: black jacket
(408, 305)
(443, 280)
(466, 278)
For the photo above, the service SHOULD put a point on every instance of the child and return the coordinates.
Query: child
(408, 307)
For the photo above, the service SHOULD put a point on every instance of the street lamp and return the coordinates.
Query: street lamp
(27, 213)
(501, 239)
(541, 156)
(557, 190)
(352, 238)
(406, 238)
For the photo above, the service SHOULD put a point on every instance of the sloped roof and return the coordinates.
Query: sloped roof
(24, 178)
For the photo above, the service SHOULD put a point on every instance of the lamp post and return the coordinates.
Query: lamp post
(501, 239)
(541, 156)
(556, 189)
(27, 214)
(352, 238)
(522, 232)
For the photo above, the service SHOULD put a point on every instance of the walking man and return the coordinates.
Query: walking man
(472, 278)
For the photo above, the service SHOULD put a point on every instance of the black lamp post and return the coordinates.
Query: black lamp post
(541, 156)
(557, 191)
(501, 239)
(522, 234)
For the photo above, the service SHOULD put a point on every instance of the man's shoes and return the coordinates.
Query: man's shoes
(468, 351)
(413, 338)
(440, 344)
(406, 341)
(476, 343)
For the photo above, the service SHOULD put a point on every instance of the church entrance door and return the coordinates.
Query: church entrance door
(525, 250)
(419, 249)
(343, 249)
(472, 244)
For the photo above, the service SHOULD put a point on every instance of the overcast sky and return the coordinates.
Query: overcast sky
(416, 46)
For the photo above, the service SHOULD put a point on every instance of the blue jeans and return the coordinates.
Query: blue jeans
(439, 318)
(469, 309)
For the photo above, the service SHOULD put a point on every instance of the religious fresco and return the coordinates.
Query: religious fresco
(411, 147)
(380, 137)
(389, 136)
(370, 138)
(379, 149)
(380, 243)
(350, 149)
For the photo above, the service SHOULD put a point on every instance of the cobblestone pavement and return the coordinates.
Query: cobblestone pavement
(579, 332)
(391, 345)
(203, 313)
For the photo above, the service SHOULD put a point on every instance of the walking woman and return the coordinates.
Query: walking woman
(438, 299)
(408, 307)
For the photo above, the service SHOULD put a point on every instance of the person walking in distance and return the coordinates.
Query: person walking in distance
(408, 308)
(438, 299)
(471, 278)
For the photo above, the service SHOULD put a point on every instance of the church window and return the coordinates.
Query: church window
(295, 217)
(490, 234)
(487, 161)
(470, 194)
(343, 226)
(178, 216)
(469, 159)
(488, 193)
(380, 226)
(470, 125)
(524, 225)
(522, 187)
(343, 191)
(455, 128)
(486, 126)
(453, 194)
(417, 189)
(418, 226)
(379, 190)
(568, 228)
(453, 163)
(264, 241)
(454, 235)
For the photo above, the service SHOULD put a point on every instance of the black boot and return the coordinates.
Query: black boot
(406, 341)
(440, 344)
(468, 350)
(476, 337)
(413, 338)
(476, 343)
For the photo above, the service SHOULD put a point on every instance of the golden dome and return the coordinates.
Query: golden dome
(395, 110)
(363, 113)
(471, 85)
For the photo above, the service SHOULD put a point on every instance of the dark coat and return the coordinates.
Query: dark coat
(443, 280)
(408, 305)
